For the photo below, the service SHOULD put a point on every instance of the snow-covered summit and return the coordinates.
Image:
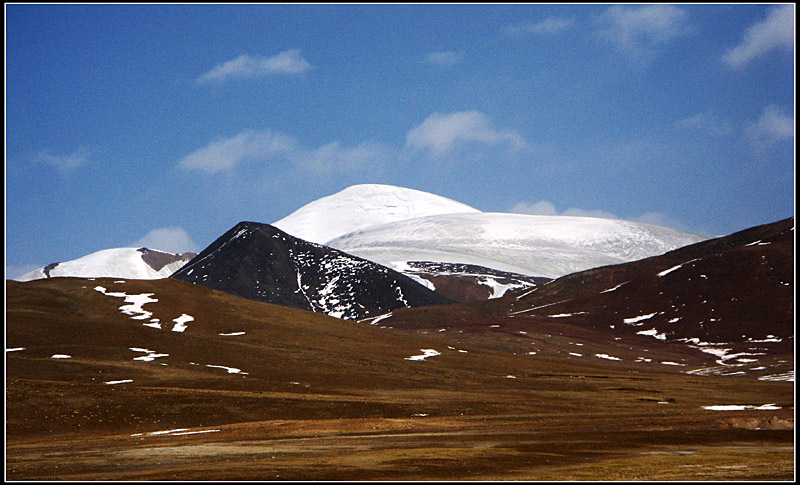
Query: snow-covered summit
(129, 263)
(360, 206)
(394, 225)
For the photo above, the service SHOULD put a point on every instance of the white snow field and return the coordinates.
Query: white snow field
(360, 206)
(550, 246)
(392, 225)
(107, 263)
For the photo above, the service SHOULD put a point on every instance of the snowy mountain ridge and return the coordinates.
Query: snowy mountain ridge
(129, 263)
(549, 246)
(393, 225)
(361, 206)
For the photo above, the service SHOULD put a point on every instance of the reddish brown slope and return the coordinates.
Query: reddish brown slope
(326, 399)
(735, 292)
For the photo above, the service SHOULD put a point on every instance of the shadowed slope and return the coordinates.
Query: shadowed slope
(259, 262)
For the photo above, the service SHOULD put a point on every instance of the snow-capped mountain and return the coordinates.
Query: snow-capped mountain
(130, 263)
(361, 206)
(393, 226)
(260, 262)
(548, 246)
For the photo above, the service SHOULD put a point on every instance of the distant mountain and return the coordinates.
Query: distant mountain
(438, 242)
(361, 206)
(546, 246)
(260, 262)
(131, 263)
(394, 226)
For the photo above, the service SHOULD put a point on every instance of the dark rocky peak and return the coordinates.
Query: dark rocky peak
(260, 262)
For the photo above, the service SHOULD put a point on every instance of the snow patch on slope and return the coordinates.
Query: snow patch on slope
(425, 354)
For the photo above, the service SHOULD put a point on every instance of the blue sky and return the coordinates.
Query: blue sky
(165, 125)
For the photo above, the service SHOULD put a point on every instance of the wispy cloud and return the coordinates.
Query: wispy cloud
(545, 208)
(660, 219)
(440, 133)
(550, 25)
(638, 32)
(774, 32)
(774, 125)
(64, 163)
(705, 122)
(334, 157)
(289, 62)
(541, 208)
(171, 239)
(15, 271)
(576, 212)
(225, 153)
(443, 58)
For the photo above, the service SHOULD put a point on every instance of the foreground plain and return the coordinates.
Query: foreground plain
(252, 391)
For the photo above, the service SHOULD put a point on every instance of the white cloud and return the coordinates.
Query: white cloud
(333, 157)
(575, 212)
(549, 25)
(637, 32)
(705, 122)
(659, 219)
(545, 208)
(541, 208)
(444, 59)
(773, 126)
(774, 32)
(171, 239)
(441, 133)
(65, 163)
(288, 62)
(225, 153)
